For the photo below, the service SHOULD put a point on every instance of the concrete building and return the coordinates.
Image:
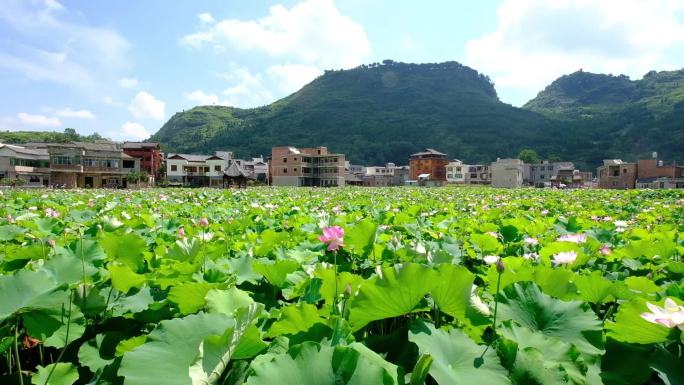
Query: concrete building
(31, 166)
(256, 169)
(401, 175)
(314, 166)
(655, 173)
(150, 156)
(507, 173)
(542, 174)
(616, 174)
(430, 166)
(197, 170)
(478, 174)
(456, 172)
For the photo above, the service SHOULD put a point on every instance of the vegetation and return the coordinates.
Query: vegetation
(137, 176)
(528, 156)
(342, 286)
(68, 135)
(384, 112)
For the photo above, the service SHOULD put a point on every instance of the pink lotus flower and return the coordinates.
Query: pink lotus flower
(10, 219)
(545, 212)
(574, 238)
(670, 315)
(605, 250)
(52, 242)
(531, 256)
(564, 258)
(333, 236)
(531, 241)
(181, 232)
(51, 213)
(204, 222)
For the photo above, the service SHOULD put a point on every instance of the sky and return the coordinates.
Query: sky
(123, 68)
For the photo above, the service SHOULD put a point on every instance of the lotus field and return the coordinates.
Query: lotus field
(267, 286)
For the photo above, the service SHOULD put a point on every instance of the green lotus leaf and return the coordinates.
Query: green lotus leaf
(572, 321)
(227, 301)
(630, 327)
(360, 237)
(395, 292)
(452, 288)
(456, 357)
(294, 319)
(171, 349)
(275, 271)
(593, 287)
(61, 373)
(190, 297)
(124, 279)
(125, 248)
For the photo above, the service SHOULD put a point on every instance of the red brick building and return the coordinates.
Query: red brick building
(654, 168)
(616, 174)
(429, 165)
(150, 155)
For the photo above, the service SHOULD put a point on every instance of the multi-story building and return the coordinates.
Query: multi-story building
(401, 175)
(197, 170)
(150, 155)
(616, 174)
(542, 174)
(478, 174)
(571, 178)
(89, 165)
(315, 166)
(31, 166)
(654, 173)
(507, 173)
(456, 172)
(429, 166)
(387, 169)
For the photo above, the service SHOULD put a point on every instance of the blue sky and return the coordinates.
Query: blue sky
(122, 68)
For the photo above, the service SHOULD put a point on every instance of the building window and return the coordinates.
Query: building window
(217, 168)
(541, 176)
(174, 167)
(110, 163)
(284, 160)
(473, 176)
(284, 170)
(128, 164)
(61, 159)
(624, 171)
(90, 162)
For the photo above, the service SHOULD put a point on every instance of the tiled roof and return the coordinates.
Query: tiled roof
(429, 151)
(139, 145)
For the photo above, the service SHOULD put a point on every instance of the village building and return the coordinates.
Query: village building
(456, 172)
(478, 174)
(197, 170)
(150, 157)
(24, 166)
(315, 166)
(507, 173)
(428, 167)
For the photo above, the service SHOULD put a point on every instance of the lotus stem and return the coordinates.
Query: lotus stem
(16, 353)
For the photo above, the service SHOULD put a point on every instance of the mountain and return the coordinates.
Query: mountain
(631, 118)
(69, 134)
(375, 114)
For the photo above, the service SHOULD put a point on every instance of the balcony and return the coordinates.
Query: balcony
(66, 167)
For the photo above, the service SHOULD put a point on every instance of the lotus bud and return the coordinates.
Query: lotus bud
(500, 267)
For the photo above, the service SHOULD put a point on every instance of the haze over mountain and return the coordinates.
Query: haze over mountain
(384, 112)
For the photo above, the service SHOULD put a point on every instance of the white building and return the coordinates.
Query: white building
(541, 174)
(507, 173)
(387, 169)
(456, 172)
(197, 170)
(31, 166)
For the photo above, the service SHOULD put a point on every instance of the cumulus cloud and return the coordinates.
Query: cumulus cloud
(536, 41)
(47, 45)
(292, 77)
(202, 99)
(131, 131)
(312, 32)
(128, 82)
(37, 120)
(248, 89)
(206, 18)
(145, 105)
(80, 114)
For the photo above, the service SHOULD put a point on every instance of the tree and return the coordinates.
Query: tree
(71, 134)
(528, 155)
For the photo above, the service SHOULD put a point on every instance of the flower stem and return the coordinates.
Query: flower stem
(16, 353)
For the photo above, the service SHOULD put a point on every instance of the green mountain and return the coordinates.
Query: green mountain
(374, 114)
(69, 134)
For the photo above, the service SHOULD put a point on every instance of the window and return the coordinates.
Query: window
(541, 176)
(458, 176)
(284, 160)
(295, 159)
(61, 159)
(174, 167)
(90, 162)
(624, 171)
(128, 164)
(110, 163)
(284, 170)
(295, 169)
(473, 176)
(34, 179)
(217, 167)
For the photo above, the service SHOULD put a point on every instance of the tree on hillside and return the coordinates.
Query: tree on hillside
(529, 156)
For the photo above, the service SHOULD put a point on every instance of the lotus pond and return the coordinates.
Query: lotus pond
(341, 286)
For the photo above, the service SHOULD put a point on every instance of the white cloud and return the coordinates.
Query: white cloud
(128, 82)
(247, 90)
(80, 114)
(206, 18)
(56, 50)
(131, 131)
(202, 98)
(536, 41)
(110, 101)
(312, 32)
(144, 105)
(292, 77)
(38, 120)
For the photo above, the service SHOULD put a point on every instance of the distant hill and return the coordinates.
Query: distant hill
(631, 118)
(18, 137)
(373, 114)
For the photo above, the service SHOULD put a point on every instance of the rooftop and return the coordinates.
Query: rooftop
(429, 151)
